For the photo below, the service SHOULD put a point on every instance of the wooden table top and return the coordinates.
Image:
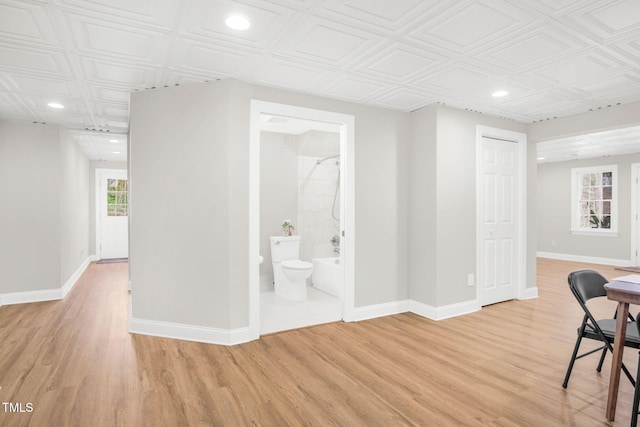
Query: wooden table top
(623, 292)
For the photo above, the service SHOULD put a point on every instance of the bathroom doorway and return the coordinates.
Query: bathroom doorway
(301, 164)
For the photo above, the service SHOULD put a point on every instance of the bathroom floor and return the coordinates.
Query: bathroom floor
(280, 314)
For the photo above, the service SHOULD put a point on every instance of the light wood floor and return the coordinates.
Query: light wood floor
(503, 366)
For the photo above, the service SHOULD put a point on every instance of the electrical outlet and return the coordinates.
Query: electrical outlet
(470, 280)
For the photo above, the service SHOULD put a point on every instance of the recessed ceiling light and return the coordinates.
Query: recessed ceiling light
(499, 93)
(114, 140)
(540, 158)
(55, 105)
(237, 22)
(116, 152)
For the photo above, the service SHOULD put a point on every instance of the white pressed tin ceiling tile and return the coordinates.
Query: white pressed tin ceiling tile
(115, 111)
(391, 15)
(403, 99)
(11, 108)
(578, 67)
(124, 74)
(149, 13)
(608, 88)
(629, 49)
(325, 42)
(453, 78)
(27, 84)
(99, 37)
(33, 60)
(531, 50)
(468, 25)
(293, 75)
(561, 7)
(354, 88)
(28, 22)
(615, 17)
(102, 94)
(317, 39)
(399, 63)
(209, 59)
(205, 19)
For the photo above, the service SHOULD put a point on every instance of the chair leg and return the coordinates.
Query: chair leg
(628, 374)
(636, 399)
(573, 360)
(604, 353)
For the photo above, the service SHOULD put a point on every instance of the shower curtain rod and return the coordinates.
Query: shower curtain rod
(327, 158)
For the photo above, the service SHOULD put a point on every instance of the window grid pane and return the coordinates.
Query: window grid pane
(117, 197)
(595, 194)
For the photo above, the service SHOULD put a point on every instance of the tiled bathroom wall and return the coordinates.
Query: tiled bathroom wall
(317, 185)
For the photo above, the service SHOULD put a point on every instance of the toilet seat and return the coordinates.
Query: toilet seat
(296, 264)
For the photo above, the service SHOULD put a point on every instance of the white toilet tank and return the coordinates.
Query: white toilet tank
(284, 248)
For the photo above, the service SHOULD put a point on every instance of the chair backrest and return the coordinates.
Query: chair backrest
(587, 284)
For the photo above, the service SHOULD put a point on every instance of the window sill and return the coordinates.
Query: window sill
(599, 233)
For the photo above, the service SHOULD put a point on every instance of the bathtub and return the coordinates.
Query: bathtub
(326, 275)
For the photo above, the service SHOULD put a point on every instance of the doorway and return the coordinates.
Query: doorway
(112, 214)
(500, 211)
(343, 166)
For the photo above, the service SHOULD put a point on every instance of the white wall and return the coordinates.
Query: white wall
(74, 206)
(421, 217)
(278, 194)
(30, 213)
(44, 212)
(554, 211)
(189, 260)
(442, 207)
(415, 200)
(182, 239)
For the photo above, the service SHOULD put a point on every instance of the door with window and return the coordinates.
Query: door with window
(112, 228)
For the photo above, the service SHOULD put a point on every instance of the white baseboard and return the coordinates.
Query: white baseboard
(189, 332)
(379, 310)
(32, 296)
(45, 294)
(75, 276)
(445, 311)
(528, 293)
(587, 259)
(424, 310)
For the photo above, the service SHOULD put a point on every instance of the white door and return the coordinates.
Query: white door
(113, 219)
(635, 214)
(498, 258)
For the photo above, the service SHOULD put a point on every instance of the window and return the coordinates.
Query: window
(594, 200)
(117, 197)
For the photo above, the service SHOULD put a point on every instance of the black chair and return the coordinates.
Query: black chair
(585, 285)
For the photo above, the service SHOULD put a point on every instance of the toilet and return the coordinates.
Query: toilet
(289, 273)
